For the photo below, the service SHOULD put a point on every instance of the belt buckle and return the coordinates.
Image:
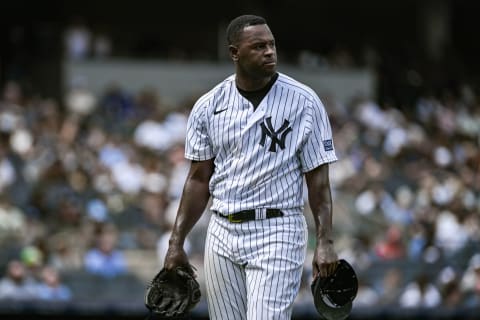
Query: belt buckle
(232, 219)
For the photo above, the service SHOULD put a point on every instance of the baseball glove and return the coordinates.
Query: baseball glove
(173, 293)
(333, 295)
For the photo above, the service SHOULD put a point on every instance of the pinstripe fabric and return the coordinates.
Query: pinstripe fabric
(253, 269)
(223, 125)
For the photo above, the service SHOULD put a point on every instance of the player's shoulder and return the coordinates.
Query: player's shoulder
(297, 86)
(214, 94)
(300, 88)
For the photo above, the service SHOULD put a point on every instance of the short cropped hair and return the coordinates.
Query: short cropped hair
(236, 26)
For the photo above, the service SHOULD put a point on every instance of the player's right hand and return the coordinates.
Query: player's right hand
(175, 257)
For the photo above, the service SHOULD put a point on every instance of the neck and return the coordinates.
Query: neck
(251, 84)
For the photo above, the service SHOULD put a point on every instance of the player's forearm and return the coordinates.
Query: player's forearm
(320, 201)
(194, 200)
(322, 213)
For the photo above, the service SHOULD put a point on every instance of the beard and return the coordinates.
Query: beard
(260, 72)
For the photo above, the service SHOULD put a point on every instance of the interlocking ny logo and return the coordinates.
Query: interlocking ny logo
(268, 130)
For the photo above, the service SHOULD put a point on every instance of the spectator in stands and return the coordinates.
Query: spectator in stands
(7, 170)
(79, 100)
(390, 286)
(117, 106)
(367, 296)
(128, 176)
(392, 247)
(161, 133)
(452, 296)
(417, 240)
(32, 259)
(105, 259)
(179, 171)
(65, 251)
(78, 40)
(17, 284)
(12, 218)
(51, 288)
(420, 293)
(470, 282)
(448, 283)
(451, 234)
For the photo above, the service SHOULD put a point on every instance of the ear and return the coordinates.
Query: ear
(233, 52)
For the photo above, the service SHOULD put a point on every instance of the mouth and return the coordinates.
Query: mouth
(270, 63)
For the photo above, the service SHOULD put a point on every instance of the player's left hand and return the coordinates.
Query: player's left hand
(325, 259)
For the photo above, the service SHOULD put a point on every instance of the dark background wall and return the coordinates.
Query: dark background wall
(399, 30)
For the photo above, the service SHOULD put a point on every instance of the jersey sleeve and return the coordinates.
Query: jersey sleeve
(318, 147)
(198, 144)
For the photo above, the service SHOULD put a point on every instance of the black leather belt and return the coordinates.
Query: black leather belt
(249, 215)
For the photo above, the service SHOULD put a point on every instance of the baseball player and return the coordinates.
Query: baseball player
(251, 141)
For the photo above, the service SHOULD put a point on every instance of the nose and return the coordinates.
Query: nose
(270, 50)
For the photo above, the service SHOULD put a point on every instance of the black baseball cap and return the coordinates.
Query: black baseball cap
(333, 295)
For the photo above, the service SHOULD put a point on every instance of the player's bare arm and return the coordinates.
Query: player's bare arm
(320, 200)
(194, 200)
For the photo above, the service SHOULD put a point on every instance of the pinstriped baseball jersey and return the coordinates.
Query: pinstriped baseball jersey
(260, 154)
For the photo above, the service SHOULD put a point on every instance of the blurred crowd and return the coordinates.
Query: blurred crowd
(86, 180)
(407, 198)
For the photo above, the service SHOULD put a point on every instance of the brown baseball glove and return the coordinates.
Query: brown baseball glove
(173, 293)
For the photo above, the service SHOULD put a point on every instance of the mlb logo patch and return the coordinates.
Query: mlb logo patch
(328, 145)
